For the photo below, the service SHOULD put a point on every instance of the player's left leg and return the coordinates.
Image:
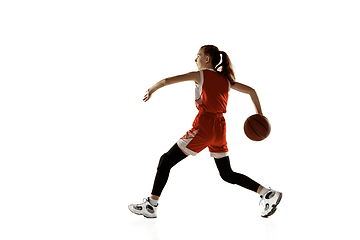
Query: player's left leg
(270, 200)
(269, 197)
(228, 175)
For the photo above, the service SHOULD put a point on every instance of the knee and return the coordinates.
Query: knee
(162, 162)
(171, 158)
(228, 176)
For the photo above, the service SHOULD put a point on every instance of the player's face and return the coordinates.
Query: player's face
(201, 60)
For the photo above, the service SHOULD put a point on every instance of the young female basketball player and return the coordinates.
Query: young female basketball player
(213, 82)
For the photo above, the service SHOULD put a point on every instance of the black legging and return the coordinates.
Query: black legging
(175, 155)
(228, 175)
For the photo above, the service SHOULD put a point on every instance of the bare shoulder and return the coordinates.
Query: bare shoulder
(242, 88)
(191, 76)
(195, 76)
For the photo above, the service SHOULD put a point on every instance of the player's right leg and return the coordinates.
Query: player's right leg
(167, 161)
(149, 207)
(146, 209)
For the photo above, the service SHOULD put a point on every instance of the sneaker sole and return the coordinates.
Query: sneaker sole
(274, 207)
(140, 214)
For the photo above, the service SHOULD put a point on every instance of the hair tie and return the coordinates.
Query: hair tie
(220, 52)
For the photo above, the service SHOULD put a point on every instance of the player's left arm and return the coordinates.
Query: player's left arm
(191, 76)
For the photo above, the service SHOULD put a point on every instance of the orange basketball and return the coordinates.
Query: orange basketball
(257, 127)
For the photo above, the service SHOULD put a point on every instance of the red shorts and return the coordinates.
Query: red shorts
(209, 130)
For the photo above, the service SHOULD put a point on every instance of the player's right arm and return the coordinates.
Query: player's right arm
(248, 90)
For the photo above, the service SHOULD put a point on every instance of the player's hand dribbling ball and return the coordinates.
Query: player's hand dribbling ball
(257, 127)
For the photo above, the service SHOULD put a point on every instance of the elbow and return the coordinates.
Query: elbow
(253, 94)
(251, 91)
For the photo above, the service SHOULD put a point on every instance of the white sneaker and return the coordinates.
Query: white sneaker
(146, 209)
(270, 200)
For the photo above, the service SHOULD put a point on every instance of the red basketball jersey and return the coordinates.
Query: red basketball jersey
(212, 93)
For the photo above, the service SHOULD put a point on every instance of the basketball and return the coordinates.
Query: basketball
(257, 127)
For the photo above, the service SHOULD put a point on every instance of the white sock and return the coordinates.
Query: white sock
(263, 191)
(153, 202)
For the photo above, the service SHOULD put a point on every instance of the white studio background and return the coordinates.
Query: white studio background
(78, 144)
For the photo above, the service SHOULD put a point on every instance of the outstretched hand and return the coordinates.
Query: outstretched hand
(147, 96)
